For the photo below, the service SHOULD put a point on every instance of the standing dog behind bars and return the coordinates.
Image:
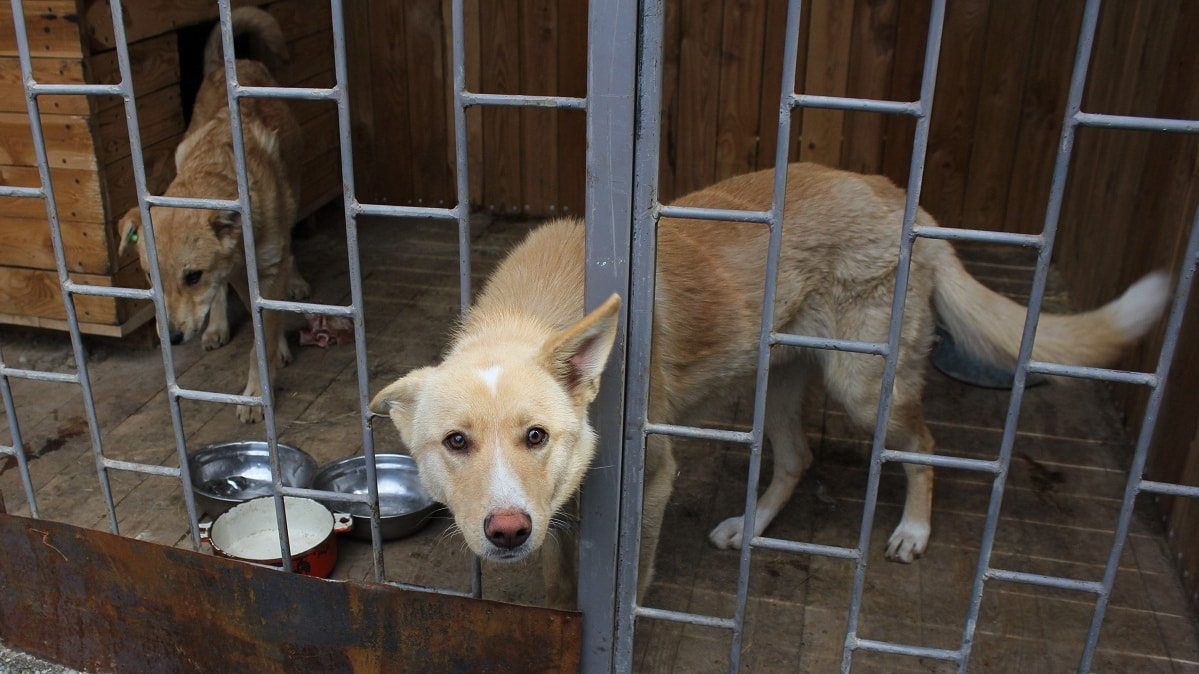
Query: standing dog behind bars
(499, 429)
(200, 251)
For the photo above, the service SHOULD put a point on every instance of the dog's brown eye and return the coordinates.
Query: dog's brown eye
(536, 437)
(455, 442)
(191, 278)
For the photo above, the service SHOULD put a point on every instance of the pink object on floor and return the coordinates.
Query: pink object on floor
(327, 331)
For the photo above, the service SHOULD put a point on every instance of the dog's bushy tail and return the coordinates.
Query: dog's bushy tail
(988, 325)
(266, 45)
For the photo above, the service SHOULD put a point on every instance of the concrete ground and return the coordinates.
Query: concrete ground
(1059, 508)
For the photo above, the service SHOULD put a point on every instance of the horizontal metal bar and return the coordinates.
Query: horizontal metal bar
(805, 548)
(144, 468)
(1093, 587)
(979, 236)
(1136, 123)
(193, 202)
(1099, 373)
(871, 348)
(1169, 489)
(322, 495)
(716, 214)
(424, 588)
(214, 397)
(523, 101)
(306, 307)
(108, 291)
(6, 450)
(699, 433)
(39, 375)
(857, 104)
(22, 192)
(681, 617)
(46, 89)
(294, 93)
(389, 211)
(902, 649)
(940, 461)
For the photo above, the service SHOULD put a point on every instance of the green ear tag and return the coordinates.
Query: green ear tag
(133, 236)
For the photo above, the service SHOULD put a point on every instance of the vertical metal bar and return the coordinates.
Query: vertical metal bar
(1148, 423)
(1057, 189)
(915, 179)
(255, 291)
(640, 318)
(762, 374)
(18, 444)
(60, 260)
(611, 107)
(349, 199)
(462, 209)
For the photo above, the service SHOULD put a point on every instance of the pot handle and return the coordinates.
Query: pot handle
(342, 522)
(205, 529)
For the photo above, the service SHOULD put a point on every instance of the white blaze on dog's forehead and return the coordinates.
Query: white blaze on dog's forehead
(491, 377)
(506, 490)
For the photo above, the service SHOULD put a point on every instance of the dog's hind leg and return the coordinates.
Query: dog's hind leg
(297, 287)
(660, 468)
(907, 431)
(784, 430)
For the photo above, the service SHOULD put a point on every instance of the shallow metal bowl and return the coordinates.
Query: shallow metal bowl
(404, 505)
(229, 473)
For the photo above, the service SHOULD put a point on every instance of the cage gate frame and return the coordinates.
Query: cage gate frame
(623, 120)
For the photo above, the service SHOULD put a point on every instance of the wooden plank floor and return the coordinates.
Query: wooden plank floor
(1059, 507)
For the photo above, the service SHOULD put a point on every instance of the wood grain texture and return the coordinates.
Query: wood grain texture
(827, 75)
(500, 74)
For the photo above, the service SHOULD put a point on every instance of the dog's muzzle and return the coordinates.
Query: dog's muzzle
(507, 528)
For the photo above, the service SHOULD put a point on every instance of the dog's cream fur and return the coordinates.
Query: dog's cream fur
(514, 371)
(200, 252)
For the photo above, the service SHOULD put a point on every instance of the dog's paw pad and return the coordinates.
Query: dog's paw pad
(298, 289)
(214, 339)
(908, 542)
(727, 534)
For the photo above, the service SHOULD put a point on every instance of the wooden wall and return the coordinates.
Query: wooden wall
(1001, 87)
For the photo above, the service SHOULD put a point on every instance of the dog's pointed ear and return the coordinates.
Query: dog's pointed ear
(398, 400)
(577, 355)
(227, 228)
(130, 227)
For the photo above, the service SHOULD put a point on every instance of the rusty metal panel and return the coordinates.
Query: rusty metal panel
(104, 603)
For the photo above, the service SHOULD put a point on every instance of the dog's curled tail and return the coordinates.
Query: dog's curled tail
(267, 44)
(989, 325)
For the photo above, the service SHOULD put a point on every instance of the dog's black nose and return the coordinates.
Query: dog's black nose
(508, 527)
(176, 338)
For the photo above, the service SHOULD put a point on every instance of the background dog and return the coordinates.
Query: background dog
(499, 429)
(200, 252)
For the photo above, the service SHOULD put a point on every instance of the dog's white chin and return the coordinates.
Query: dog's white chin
(505, 556)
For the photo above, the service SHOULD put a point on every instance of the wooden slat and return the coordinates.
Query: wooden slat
(159, 116)
(50, 70)
(539, 128)
(299, 18)
(52, 27)
(827, 75)
(68, 141)
(572, 125)
(501, 126)
(476, 158)
(870, 64)
(740, 103)
(432, 174)
(1049, 62)
(393, 144)
(772, 73)
(1002, 88)
(36, 293)
(25, 242)
(76, 193)
(910, 39)
(154, 65)
(311, 61)
(362, 109)
(698, 91)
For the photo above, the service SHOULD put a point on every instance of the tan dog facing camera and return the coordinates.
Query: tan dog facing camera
(499, 429)
(201, 252)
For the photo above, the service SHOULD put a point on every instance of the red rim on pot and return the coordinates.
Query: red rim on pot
(249, 532)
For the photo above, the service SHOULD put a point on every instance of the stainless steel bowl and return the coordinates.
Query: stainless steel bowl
(229, 473)
(404, 505)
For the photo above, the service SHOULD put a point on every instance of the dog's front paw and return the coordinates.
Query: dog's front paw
(908, 542)
(215, 337)
(248, 414)
(298, 288)
(727, 535)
